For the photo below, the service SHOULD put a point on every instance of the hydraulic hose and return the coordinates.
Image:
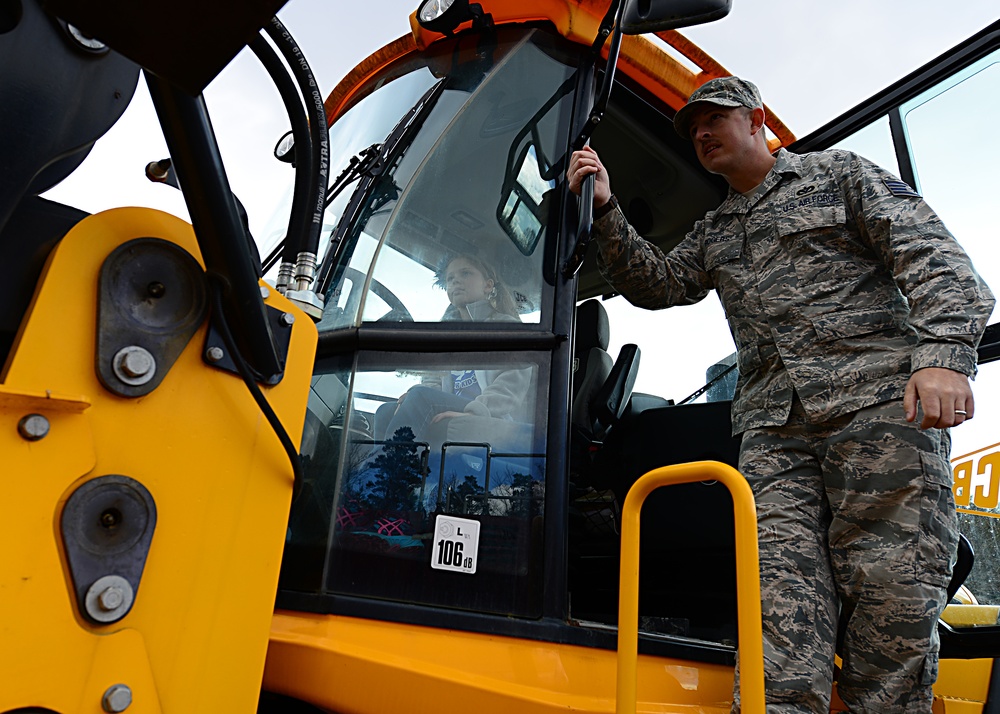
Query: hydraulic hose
(319, 154)
(298, 219)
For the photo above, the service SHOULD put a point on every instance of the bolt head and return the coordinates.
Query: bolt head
(214, 354)
(33, 427)
(264, 292)
(111, 599)
(134, 365)
(137, 364)
(117, 698)
(288, 319)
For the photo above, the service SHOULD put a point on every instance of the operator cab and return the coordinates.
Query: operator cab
(470, 176)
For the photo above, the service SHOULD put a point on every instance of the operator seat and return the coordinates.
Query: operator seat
(601, 389)
(591, 361)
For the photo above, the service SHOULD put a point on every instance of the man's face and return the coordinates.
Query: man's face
(722, 137)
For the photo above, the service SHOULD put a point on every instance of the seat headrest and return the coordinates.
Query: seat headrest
(592, 326)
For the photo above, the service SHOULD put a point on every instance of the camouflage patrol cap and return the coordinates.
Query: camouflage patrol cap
(725, 92)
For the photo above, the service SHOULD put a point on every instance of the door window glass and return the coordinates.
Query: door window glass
(874, 142)
(952, 134)
(397, 443)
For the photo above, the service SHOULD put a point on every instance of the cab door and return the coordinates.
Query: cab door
(936, 130)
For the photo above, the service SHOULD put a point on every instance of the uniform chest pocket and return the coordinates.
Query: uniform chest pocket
(803, 219)
(824, 254)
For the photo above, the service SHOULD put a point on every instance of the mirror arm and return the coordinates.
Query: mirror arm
(585, 218)
(604, 95)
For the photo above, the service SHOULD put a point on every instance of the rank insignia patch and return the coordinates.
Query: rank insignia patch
(899, 188)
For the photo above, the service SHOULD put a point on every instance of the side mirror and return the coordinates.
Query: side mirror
(523, 209)
(642, 16)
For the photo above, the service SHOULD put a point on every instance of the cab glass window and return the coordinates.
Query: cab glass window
(387, 486)
(493, 126)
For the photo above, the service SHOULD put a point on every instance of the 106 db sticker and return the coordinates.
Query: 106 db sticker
(456, 545)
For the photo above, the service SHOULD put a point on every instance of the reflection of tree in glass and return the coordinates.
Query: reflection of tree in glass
(396, 473)
(512, 494)
(356, 474)
(522, 496)
(469, 496)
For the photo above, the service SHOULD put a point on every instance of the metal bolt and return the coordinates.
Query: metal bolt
(264, 292)
(214, 354)
(117, 698)
(156, 289)
(111, 599)
(137, 364)
(134, 365)
(33, 427)
(288, 318)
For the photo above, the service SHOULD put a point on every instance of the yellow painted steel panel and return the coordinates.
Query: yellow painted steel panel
(196, 637)
(353, 665)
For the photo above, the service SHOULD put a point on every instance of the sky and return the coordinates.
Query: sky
(811, 60)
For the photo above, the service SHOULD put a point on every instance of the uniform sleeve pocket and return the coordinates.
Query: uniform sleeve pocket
(717, 254)
(748, 359)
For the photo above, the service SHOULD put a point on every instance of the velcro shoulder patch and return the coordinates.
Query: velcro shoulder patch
(899, 188)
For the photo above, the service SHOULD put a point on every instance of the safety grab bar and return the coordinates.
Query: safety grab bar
(751, 647)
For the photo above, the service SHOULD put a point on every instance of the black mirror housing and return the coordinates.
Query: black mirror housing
(642, 16)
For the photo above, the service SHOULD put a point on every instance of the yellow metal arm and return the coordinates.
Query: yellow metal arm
(751, 648)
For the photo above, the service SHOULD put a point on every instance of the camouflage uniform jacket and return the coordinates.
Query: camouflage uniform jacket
(837, 279)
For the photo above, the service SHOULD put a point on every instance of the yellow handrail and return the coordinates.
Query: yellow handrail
(751, 646)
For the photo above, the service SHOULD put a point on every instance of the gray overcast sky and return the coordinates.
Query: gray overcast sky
(812, 60)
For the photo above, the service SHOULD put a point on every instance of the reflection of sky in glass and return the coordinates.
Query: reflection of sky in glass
(407, 279)
(530, 177)
(367, 123)
(874, 142)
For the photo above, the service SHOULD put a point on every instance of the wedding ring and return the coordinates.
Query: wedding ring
(959, 411)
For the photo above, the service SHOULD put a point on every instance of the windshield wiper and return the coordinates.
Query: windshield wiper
(361, 164)
(370, 166)
(370, 163)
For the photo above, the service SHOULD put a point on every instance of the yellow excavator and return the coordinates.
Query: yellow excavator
(213, 505)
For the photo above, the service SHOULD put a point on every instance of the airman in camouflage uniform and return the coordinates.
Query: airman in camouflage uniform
(849, 303)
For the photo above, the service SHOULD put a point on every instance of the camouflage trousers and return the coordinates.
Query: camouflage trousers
(857, 525)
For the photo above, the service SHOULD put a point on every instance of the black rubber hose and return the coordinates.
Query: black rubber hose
(298, 218)
(248, 379)
(319, 173)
